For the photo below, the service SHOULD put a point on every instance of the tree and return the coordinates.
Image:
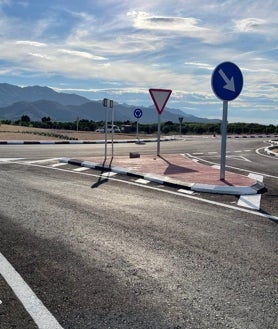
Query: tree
(46, 119)
(25, 118)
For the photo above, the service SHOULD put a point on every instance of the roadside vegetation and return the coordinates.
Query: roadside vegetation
(167, 128)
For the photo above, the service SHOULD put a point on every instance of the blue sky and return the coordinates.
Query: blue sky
(119, 49)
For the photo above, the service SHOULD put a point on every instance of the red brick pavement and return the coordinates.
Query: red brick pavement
(175, 166)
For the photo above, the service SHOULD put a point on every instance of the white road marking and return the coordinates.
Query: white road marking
(10, 159)
(212, 152)
(181, 190)
(238, 157)
(39, 313)
(81, 168)
(258, 177)
(59, 164)
(108, 174)
(251, 201)
(216, 166)
(42, 161)
(197, 153)
(142, 181)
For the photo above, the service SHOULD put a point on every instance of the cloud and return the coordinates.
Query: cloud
(144, 20)
(250, 25)
(30, 43)
(81, 54)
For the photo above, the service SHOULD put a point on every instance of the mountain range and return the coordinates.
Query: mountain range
(38, 102)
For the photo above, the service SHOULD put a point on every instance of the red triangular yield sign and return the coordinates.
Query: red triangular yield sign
(160, 98)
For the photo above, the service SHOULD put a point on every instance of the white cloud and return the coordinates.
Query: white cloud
(144, 20)
(81, 54)
(250, 25)
(30, 43)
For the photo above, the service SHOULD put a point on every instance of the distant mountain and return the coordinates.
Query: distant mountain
(10, 94)
(38, 102)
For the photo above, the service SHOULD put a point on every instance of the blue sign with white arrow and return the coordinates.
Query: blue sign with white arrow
(227, 81)
(137, 113)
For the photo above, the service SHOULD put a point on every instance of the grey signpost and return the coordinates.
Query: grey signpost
(227, 83)
(180, 120)
(160, 98)
(107, 103)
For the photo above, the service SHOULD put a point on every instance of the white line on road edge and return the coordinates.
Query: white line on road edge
(251, 201)
(43, 160)
(58, 164)
(39, 313)
(10, 159)
(80, 168)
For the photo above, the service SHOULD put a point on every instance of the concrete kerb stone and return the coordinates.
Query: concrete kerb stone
(231, 190)
(269, 148)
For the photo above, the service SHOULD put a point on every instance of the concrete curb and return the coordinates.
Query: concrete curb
(168, 181)
(269, 148)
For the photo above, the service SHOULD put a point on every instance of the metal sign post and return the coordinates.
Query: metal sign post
(158, 135)
(223, 140)
(105, 153)
(108, 103)
(180, 120)
(112, 123)
(227, 83)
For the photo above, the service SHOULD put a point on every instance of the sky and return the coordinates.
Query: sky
(119, 49)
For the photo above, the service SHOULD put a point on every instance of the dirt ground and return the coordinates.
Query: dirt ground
(9, 132)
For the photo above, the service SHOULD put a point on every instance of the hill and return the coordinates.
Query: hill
(38, 102)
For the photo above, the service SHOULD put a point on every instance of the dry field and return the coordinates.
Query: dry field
(9, 132)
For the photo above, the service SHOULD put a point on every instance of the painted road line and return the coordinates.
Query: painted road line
(58, 164)
(181, 190)
(81, 169)
(216, 166)
(39, 313)
(212, 152)
(10, 159)
(142, 181)
(258, 177)
(251, 201)
(108, 174)
(43, 160)
(197, 153)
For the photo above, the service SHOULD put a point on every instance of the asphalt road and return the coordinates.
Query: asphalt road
(107, 252)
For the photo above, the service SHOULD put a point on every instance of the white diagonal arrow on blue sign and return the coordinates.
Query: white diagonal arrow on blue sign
(230, 85)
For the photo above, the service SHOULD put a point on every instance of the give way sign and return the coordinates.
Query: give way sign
(160, 98)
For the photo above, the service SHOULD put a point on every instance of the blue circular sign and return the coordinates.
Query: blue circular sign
(138, 113)
(227, 81)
